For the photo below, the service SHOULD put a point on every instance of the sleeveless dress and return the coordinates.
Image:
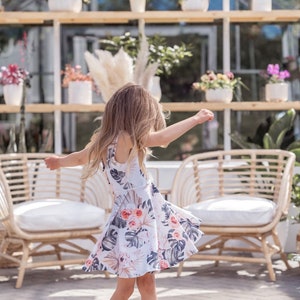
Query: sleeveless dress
(144, 233)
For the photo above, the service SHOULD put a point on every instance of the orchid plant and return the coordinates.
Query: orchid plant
(13, 74)
(211, 80)
(273, 74)
(74, 74)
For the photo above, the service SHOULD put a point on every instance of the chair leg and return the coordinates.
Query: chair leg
(282, 254)
(23, 265)
(267, 256)
(221, 247)
(58, 254)
(180, 267)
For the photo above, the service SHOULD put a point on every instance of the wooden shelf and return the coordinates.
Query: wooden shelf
(170, 106)
(123, 17)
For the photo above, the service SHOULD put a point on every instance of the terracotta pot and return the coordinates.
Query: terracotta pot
(277, 92)
(13, 94)
(65, 5)
(80, 92)
(219, 95)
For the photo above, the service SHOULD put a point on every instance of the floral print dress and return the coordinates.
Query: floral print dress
(144, 233)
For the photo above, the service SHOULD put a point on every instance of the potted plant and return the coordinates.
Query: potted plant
(67, 5)
(160, 52)
(294, 214)
(146, 53)
(218, 87)
(13, 78)
(276, 88)
(79, 85)
(276, 133)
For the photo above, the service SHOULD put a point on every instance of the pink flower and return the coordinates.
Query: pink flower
(132, 223)
(164, 264)
(174, 222)
(125, 213)
(230, 75)
(273, 69)
(12, 75)
(176, 235)
(138, 212)
(88, 262)
(74, 74)
(274, 75)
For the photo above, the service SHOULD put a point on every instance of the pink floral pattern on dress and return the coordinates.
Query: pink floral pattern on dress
(144, 233)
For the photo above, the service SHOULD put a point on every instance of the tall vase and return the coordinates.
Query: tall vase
(80, 92)
(277, 92)
(219, 95)
(13, 93)
(65, 5)
(155, 89)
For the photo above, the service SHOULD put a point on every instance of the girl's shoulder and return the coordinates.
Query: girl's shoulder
(123, 147)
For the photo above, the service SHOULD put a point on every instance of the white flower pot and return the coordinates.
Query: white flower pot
(137, 5)
(80, 92)
(277, 92)
(195, 5)
(65, 5)
(219, 95)
(13, 94)
(261, 5)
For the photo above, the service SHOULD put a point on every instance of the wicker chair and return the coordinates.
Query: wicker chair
(239, 195)
(48, 213)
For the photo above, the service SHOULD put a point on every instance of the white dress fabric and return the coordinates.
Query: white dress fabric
(144, 233)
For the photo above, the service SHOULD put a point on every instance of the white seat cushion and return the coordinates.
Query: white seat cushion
(234, 210)
(57, 214)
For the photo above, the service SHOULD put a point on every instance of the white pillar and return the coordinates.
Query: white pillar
(57, 88)
(226, 68)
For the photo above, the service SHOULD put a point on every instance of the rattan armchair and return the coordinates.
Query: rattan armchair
(54, 214)
(239, 195)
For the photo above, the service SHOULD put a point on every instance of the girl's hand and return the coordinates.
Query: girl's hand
(204, 115)
(52, 162)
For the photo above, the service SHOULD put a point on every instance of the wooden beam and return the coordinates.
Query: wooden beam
(123, 17)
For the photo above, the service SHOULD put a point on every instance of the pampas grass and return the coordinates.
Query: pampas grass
(110, 72)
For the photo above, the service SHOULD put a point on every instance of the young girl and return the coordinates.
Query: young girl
(144, 233)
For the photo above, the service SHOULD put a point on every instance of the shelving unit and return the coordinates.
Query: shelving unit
(123, 17)
(226, 17)
(169, 106)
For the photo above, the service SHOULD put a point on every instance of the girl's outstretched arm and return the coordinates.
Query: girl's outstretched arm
(171, 133)
(70, 160)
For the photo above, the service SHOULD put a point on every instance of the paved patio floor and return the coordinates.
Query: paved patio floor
(199, 280)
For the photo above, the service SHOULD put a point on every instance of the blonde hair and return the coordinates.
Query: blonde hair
(131, 109)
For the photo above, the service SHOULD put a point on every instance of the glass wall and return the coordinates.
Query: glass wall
(253, 47)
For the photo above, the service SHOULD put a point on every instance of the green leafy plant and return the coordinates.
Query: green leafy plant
(166, 56)
(296, 195)
(275, 134)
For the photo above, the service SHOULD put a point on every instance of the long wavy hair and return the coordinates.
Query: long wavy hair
(131, 109)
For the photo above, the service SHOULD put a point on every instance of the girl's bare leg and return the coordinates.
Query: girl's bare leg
(124, 289)
(147, 287)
